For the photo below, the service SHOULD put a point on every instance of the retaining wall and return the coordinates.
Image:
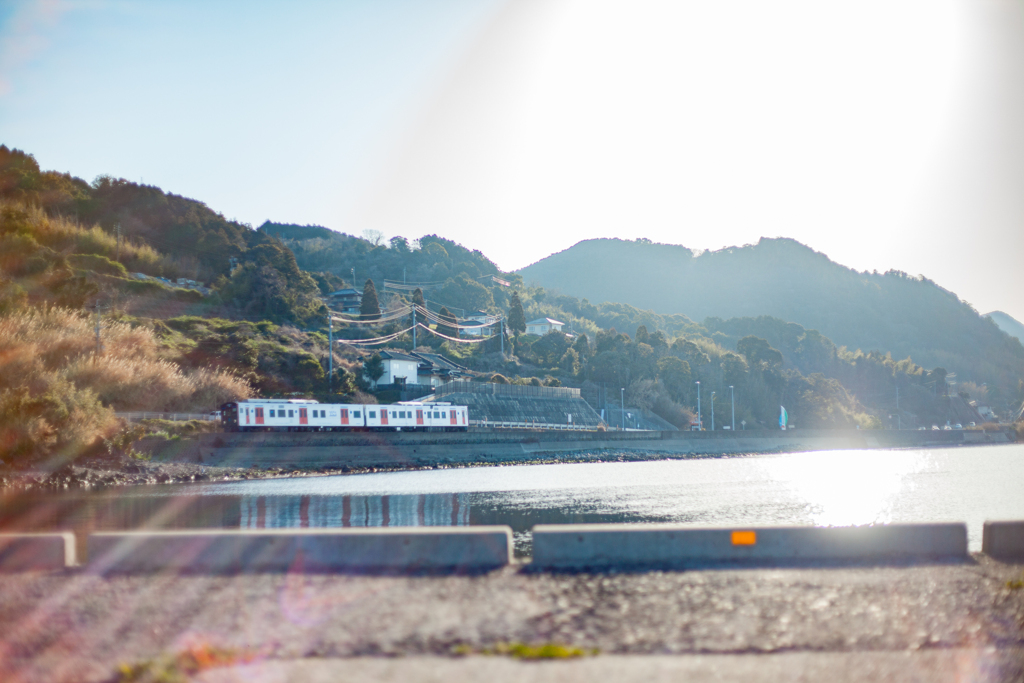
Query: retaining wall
(482, 548)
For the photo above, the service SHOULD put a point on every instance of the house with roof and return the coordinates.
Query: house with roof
(346, 300)
(427, 369)
(479, 324)
(435, 370)
(542, 326)
(399, 368)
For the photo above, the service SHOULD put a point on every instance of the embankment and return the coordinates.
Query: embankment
(316, 450)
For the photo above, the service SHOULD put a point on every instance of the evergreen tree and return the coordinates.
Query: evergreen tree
(373, 368)
(582, 347)
(418, 300)
(447, 326)
(370, 309)
(516, 315)
(642, 335)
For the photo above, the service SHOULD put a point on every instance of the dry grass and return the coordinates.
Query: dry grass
(68, 236)
(57, 393)
(126, 375)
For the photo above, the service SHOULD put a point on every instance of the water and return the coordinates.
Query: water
(815, 488)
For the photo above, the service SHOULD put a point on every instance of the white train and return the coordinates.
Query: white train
(304, 415)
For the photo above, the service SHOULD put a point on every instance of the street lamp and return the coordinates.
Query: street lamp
(622, 412)
(732, 396)
(700, 425)
(712, 411)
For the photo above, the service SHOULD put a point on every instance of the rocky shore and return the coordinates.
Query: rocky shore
(127, 471)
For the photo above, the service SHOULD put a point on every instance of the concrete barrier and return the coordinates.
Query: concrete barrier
(1003, 539)
(623, 545)
(316, 550)
(21, 552)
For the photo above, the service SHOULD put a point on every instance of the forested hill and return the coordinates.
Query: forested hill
(894, 312)
(1008, 324)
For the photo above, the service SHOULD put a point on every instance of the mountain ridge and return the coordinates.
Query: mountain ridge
(782, 278)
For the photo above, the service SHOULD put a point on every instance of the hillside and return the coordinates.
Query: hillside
(891, 312)
(1008, 324)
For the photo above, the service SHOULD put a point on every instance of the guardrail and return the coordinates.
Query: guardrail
(532, 425)
(175, 417)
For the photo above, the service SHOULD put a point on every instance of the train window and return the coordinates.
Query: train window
(355, 413)
(290, 414)
(373, 413)
(271, 412)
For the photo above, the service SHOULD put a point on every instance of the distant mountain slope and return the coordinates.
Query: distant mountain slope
(1008, 324)
(782, 278)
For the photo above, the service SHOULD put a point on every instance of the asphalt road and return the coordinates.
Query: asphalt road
(919, 622)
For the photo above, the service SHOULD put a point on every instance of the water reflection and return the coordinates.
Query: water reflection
(820, 488)
(266, 512)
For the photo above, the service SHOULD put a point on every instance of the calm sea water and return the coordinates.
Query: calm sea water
(815, 488)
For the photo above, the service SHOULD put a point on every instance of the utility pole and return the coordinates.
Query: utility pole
(354, 279)
(501, 327)
(414, 327)
(732, 395)
(403, 276)
(330, 353)
(622, 395)
(700, 424)
(712, 411)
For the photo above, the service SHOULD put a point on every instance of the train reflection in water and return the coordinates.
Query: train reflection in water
(107, 511)
(267, 512)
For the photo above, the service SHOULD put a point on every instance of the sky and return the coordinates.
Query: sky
(884, 133)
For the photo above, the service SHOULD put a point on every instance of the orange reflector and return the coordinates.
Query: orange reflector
(744, 538)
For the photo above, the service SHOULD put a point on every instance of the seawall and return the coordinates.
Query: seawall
(361, 450)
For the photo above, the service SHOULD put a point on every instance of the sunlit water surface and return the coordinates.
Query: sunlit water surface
(816, 488)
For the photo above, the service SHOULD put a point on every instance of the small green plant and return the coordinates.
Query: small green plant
(526, 651)
(181, 667)
(1016, 585)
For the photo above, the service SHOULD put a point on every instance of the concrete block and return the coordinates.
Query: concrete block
(615, 545)
(1003, 539)
(316, 550)
(21, 552)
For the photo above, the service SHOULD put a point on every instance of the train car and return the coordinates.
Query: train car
(304, 415)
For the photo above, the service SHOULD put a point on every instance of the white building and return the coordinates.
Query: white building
(542, 326)
(398, 368)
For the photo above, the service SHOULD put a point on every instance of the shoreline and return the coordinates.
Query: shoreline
(108, 473)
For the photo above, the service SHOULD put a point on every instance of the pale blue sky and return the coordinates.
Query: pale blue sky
(884, 133)
(261, 109)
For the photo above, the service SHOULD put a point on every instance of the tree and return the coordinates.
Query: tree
(758, 352)
(549, 348)
(373, 368)
(642, 336)
(675, 374)
(417, 300)
(582, 347)
(448, 323)
(516, 315)
(370, 308)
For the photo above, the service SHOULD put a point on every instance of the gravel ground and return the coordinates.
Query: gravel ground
(76, 626)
